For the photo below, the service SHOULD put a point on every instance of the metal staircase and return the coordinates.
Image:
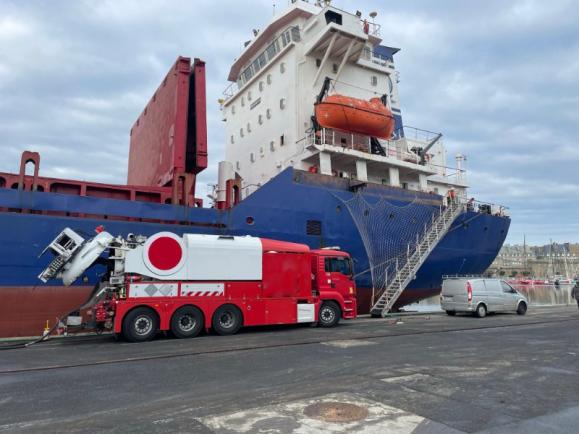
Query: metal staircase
(415, 257)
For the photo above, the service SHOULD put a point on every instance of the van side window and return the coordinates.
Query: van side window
(506, 287)
(338, 265)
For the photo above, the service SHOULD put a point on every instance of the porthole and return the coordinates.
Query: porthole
(250, 220)
(242, 101)
(282, 67)
(237, 165)
(272, 146)
(260, 119)
(261, 86)
(282, 103)
(249, 95)
(268, 79)
(241, 132)
(232, 109)
(248, 127)
(268, 113)
(232, 139)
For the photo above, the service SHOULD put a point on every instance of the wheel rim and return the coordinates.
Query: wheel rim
(226, 320)
(522, 308)
(187, 322)
(327, 314)
(481, 311)
(143, 325)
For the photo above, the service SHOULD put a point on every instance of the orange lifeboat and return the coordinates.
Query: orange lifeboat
(344, 113)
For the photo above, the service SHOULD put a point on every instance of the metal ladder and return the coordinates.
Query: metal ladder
(415, 258)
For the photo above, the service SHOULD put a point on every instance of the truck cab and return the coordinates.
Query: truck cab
(333, 282)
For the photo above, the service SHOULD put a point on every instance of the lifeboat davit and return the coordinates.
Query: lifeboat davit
(344, 113)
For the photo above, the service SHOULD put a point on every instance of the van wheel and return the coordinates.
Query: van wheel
(522, 308)
(227, 320)
(329, 314)
(481, 311)
(140, 325)
(451, 312)
(186, 322)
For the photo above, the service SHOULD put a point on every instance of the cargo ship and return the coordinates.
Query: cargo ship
(316, 153)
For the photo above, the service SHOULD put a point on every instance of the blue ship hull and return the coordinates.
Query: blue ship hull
(281, 209)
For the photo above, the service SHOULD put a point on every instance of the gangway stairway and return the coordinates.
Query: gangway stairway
(415, 258)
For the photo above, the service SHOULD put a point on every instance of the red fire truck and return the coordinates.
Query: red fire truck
(185, 284)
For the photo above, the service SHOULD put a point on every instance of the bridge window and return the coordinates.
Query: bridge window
(333, 17)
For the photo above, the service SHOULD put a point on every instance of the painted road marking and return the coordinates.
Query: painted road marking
(348, 343)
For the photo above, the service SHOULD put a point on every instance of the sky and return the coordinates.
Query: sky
(500, 80)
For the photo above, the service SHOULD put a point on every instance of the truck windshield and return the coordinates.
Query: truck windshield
(338, 265)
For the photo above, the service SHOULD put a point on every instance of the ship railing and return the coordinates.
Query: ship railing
(230, 90)
(358, 142)
(487, 208)
(413, 133)
(373, 28)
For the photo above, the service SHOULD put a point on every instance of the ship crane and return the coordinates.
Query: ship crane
(422, 152)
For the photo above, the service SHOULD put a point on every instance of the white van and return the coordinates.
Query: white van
(480, 296)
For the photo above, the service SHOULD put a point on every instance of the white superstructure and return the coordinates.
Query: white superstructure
(269, 106)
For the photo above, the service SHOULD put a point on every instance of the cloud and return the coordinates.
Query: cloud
(499, 79)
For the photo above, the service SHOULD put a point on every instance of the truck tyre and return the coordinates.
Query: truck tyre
(522, 308)
(481, 311)
(227, 320)
(451, 312)
(186, 322)
(329, 314)
(140, 325)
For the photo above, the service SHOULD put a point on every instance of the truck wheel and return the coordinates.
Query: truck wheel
(140, 325)
(186, 322)
(522, 308)
(329, 314)
(451, 312)
(481, 311)
(227, 320)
